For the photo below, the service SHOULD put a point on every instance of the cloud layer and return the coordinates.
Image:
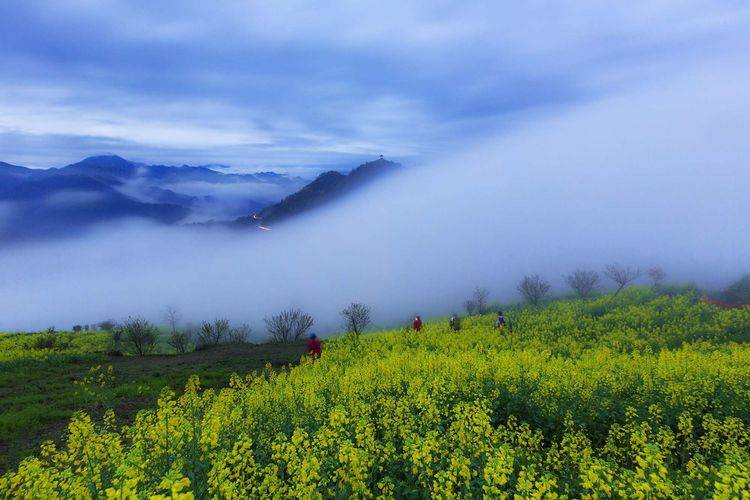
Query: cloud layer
(655, 175)
(259, 84)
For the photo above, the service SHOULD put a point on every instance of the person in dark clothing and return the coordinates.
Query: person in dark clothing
(500, 321)
(417, 324)
(454, 322)
(314, 346)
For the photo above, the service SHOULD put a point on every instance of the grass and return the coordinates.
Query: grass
(38, 397)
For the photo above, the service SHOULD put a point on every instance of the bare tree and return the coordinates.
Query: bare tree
(477, 304)
(470, 307)
(172, 317)
(356, 317)
(239, 334)
(77, 328)
(657, 276)
(140, 334)
(288, 325)
(583, 282)
(302, 325)
(480, 299)
(213, 333)
(533, 288)
(621, 275)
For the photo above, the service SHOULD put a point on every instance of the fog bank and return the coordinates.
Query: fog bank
(651, 176)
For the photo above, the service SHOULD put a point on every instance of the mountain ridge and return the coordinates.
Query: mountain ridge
(62, 201)
(327, 187)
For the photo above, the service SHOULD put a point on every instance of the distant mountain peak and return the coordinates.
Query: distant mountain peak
(325, 188)
(106, 158)
(106, 161)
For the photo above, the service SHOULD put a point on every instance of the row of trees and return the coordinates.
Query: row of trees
(293, 324)
(141, 336)
(583, 282)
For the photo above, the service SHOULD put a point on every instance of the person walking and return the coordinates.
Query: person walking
(454, 322)
(314, 347)
(417, 324)
(500, 321)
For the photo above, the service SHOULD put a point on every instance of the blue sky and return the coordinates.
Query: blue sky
(297, 84)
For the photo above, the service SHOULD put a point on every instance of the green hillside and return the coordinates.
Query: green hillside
(633, 396)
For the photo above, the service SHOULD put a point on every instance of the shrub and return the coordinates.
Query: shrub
(179, 340)
(116, 339)
(288, 325)
(739, 291)
(77, 328)
(139, 334)
(45, 341)
(672, 290)
(107, 325)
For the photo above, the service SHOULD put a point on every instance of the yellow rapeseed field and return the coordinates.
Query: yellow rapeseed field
(637, 396)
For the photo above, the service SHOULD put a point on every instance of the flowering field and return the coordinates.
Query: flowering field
(22, 351)
(46, 377)
(635, 396)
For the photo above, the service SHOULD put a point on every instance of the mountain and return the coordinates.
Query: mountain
(37, 204)
(55, 202)
(325, 188)
(109, 169)
(8, 170)
(116, 170)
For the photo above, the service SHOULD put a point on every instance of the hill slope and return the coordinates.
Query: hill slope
(326, 188)
(611, 397)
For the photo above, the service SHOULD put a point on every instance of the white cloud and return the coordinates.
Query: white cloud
(653, 176)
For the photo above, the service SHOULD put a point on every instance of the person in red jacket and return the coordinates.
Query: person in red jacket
(314, 346)
(417, 325)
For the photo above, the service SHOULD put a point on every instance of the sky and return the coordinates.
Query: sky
(294, 85)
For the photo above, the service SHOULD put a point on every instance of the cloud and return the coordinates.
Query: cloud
(72, 198)
(653, 175)
(270, 84)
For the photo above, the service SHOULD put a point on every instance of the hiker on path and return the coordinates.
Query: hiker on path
(417, 324)
(314, 346)
(454, 322)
